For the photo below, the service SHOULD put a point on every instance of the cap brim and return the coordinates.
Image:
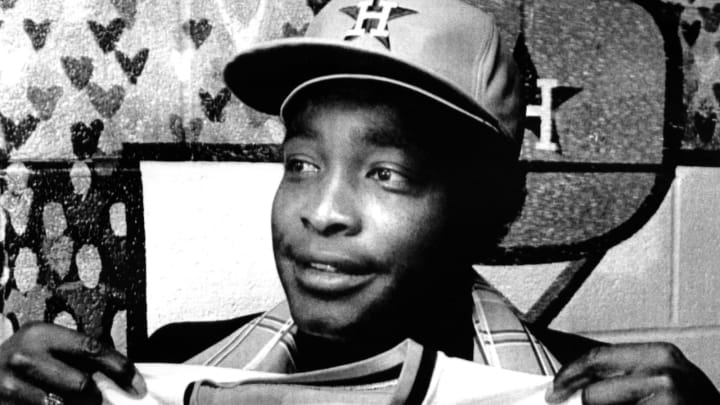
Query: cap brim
(265, 75)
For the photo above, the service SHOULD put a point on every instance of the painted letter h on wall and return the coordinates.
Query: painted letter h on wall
(545, 113)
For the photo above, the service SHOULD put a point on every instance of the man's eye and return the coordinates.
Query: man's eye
(299, 166)
(390, 178)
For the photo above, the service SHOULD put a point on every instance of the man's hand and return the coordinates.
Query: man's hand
(41, 359)
(640, 373)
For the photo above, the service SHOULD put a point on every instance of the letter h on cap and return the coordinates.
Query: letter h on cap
(367, 11)
(372, 17)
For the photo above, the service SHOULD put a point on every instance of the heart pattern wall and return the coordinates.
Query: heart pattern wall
(72, 248)
(53, 50)
(140, 67)
(700, 31)
(78, 78)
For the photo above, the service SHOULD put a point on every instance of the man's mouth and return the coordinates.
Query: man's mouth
(323, 267)
(338, 267)
(330, 274)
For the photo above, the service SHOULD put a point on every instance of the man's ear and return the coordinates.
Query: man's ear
(487, 203)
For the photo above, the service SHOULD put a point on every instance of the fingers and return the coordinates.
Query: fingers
(61, 359)
(610, 360)
(607, 362)
(629, 390)
(92, 355)
(56, 376)
(119, 369)
(17, 391)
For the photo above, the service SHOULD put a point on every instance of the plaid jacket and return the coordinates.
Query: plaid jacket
(400, 375)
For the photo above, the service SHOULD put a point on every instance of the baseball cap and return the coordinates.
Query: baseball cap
(445, 51)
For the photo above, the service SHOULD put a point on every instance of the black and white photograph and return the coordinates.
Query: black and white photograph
(491, 202)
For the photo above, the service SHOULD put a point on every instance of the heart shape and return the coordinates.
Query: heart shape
(17, 205)
(181, 133)
(37, 32)
(255, 118)
(85, 138)
(53, 219)
(79, 71)
(690, 31)
(108, 36)
(133, 67)
(7, 4)
(16, 134)
(705, 125)
(316, 5)
(199, 31)
(107, 103)
(711, 18)
(290, 31)
(213, 106)
(44, 101)
(58, 253)
(127, 10)
(81, 178)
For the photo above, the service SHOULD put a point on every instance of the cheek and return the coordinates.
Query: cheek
(284, 220)
(281, 210)
(409, 234)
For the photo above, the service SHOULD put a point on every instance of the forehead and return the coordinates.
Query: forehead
(378, 116)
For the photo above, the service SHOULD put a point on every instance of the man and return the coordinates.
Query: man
(404, 122)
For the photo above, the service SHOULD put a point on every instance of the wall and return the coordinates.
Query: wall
(621, 153)
(661, 284)
(217, 261)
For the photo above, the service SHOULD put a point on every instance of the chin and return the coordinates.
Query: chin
(323, 331)
(323, 319)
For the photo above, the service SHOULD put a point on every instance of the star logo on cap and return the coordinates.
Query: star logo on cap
(372, 17)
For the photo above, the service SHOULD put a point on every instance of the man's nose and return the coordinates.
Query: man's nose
(333, 209)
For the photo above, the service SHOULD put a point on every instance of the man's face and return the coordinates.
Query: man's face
(359, 220)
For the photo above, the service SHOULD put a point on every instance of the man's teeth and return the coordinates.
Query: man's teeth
(323, 267)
